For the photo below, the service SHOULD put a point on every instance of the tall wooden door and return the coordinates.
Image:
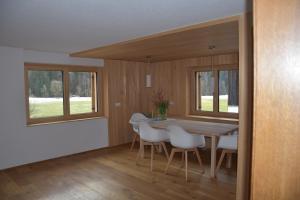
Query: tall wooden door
(122, 89)
(276, 136)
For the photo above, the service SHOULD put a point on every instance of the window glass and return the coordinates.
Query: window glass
(61, 93)
(205, 91)
(82, 89)
(45, 93)
(228, 91)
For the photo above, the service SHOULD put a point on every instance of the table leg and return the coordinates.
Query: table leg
(213, 156)
(142, 148)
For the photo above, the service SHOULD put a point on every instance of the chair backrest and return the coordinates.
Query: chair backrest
(150, 134)
(228, 142)
(182, 139)
(135, 119)
(236, 132)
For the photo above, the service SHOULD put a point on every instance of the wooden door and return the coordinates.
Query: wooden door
(122, 90)
(276, 135)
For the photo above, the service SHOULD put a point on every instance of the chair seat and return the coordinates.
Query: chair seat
(188, 146)
(182, 139)
(151, 136)
(147, 133)
(163, 137)
(184, 142)
(228, 142)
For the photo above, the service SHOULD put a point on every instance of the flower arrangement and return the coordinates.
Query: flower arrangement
(161, 104)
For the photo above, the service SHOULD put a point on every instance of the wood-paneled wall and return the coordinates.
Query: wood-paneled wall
(276, 134)
(122, 89)
(173, 78)
(125, 91)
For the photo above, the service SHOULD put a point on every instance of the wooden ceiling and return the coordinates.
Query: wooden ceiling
(188, 42)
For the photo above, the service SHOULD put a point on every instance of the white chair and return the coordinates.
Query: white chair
(184, 142)
(152, 137)
(229, 145)
(134, 120)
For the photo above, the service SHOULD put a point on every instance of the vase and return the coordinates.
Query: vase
(162, 114)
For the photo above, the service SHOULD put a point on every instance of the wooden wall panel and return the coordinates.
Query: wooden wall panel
(172, 77)
(162, 78)
(226, 59)
(179, 79)
(133, 93)
(146, 93)
(276, 135)
(123, 97)
(116, 92)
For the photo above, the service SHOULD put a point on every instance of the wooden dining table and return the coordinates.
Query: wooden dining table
(208, 129)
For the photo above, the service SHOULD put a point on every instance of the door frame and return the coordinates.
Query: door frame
(246, 70)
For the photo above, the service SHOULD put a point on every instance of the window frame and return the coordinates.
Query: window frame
(193, 93)
(97, 95)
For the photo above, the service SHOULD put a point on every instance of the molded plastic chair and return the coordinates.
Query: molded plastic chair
(152, 137)
(184, 142)
(229, 145)
(135, 119)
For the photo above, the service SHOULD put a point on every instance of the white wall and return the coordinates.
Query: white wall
(20, 144)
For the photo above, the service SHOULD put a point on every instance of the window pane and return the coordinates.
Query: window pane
(228, 91)
(205, 90)
(45, 93)
(82, 90)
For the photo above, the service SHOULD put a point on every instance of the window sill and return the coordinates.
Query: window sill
(63, 121)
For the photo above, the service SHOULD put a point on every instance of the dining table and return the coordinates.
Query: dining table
(211, 130)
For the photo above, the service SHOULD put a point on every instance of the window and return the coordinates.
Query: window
(61, 93)
(82, 92)
(228, 91)
(214, 92)
(45, 91)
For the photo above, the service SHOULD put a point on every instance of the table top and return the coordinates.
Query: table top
(197, 127)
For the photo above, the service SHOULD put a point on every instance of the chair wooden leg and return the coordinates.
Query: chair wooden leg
(199, 159)
(152, 154)
(186, 164)
(142, 148)
(182, 159)
(220, 161)
(137, 156)
(160, 149)
(156, 148)
(133, 141)
(170, 160)
(228, 160)
(165, 150)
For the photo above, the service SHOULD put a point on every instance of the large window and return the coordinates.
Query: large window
(60, 93)
(214, 92)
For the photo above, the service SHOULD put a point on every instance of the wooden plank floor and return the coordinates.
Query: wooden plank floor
(112, 174)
